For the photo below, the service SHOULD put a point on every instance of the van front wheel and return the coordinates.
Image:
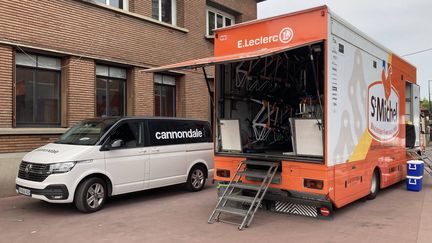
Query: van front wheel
(90, 195)
(196, 179)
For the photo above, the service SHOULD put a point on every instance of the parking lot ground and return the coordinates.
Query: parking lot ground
(173, 215)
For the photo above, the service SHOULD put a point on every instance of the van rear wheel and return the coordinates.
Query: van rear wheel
(90, 195)
(196, 179)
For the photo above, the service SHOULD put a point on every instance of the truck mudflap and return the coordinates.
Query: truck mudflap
(295, 203)
(303, 204)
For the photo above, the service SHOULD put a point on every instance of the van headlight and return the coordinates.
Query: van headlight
(61, 167)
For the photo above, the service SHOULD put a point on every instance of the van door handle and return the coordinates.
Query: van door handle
(155, 150)
(142, 151)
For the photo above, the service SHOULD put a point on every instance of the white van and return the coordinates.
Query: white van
(101, 157)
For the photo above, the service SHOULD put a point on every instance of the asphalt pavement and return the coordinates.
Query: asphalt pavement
(173, 215)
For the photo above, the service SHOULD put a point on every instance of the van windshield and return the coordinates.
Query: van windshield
(87, 132)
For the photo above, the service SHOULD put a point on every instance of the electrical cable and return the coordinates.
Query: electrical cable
(417, 52)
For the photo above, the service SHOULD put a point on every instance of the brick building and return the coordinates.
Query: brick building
(66, 60)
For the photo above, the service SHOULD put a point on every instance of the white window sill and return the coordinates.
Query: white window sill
(209, 38)
(138, 16)
(31, 131)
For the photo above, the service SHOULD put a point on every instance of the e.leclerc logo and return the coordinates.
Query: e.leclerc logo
(284, 36)
(383, 109)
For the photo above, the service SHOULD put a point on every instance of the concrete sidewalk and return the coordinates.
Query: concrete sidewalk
(171, 214)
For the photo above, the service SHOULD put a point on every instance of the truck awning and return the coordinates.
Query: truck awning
(198, 63)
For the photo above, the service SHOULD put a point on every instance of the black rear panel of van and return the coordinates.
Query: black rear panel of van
(171, 131)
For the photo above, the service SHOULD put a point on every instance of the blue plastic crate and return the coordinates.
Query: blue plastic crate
(415, 168)
(414, 183)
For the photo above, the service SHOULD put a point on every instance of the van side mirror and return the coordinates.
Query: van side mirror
(117, 144)
(113, 145)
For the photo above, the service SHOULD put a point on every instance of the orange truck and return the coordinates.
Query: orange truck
(309, 111)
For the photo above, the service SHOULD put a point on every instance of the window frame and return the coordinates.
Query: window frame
(142, 125)
(164, 84)
(107, 78)
(34, 69)
(217, 12)
(124, 4)
(173, 12)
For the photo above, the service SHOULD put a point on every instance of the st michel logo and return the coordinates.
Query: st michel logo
(383, 107)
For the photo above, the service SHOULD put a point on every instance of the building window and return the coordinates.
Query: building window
(37, 90)
(165, 95)
(121, 4)
(217, 19)
(110, 91)
(165, 11)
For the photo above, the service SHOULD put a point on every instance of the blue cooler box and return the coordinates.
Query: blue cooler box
(414, 183)
(415, 168)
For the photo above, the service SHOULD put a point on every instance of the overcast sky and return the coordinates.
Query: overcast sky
(403, 26)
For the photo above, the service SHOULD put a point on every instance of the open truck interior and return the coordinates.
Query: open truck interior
(273, 106)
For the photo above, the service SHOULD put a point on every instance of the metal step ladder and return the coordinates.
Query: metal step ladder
(423, 157)
(252, 202)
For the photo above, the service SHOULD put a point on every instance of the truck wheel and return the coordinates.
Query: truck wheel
(90, 195)
(375, 186)
(196, 179)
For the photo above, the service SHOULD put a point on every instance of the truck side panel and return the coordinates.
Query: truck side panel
(365, 112)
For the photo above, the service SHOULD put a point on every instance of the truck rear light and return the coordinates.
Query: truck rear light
(324, 211)
(313, 184)
(223, 173)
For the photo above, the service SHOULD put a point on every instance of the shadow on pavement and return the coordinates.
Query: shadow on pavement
(382, 195)
(121, 201)
(151, 194)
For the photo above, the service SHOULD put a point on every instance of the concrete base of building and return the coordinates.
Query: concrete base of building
(9, 164)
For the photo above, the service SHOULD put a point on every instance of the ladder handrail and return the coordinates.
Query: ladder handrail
(263, 193)
(256, 202)
(256, 196)
(225, 191)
